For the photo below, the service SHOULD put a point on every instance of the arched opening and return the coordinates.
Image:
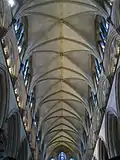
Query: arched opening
(13, 131)
(23, 150)
(4, 94)
(112, 134)
(103, 154)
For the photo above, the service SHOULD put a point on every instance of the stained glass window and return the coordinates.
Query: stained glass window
(62, 156)
(20, 35)
(102, 27)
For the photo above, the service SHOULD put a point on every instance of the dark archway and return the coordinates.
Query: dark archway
(4, 94)
(112, 134)
(103, 154)
(23, 150)
(13, 131)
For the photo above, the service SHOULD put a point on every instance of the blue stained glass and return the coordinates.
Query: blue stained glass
(25, 69)
(103, 38)
(16, 28)
(62, 156)
(100, 29)
(106, 25)
(17, 25)
(102, 46)
(20, 36)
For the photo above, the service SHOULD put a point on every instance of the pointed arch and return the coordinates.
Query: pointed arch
(75, 100)
(103, 154)
(23, 150)
(57, 138)
(4, 97)
(29, 8)
(65, 118)
(61, 146)
(13, 122)
(112, 134)
(39, 77)
(34, 48)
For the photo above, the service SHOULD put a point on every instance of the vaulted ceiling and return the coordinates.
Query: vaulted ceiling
(61, 43)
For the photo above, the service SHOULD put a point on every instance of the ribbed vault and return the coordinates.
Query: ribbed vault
(61, 36)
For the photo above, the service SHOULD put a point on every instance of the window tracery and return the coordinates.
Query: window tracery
(20, 35)
(20, 28)
(101, 29)
(62, 156)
